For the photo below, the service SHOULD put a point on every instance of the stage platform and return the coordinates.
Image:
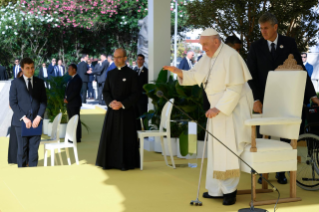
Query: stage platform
(87, 188)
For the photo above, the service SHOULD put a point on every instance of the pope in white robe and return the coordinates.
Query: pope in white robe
(224, 75)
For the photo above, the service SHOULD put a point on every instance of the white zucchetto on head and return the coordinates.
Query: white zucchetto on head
(209, 32)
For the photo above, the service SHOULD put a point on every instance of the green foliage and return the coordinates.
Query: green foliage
(297, 19)
(188, 98)
(55, 96)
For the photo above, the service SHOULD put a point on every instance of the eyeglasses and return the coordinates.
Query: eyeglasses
(304, 57)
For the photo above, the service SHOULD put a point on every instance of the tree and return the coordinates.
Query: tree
(297, 19)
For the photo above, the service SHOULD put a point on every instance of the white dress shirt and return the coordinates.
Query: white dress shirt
(45, 72)
(61, 70)
(189, 63)
(140, 70)
(17, 70)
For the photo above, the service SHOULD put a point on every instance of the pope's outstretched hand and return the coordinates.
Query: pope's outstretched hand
(174, 70)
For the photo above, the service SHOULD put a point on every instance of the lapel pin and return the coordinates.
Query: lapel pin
(281, 46)
(124, 79)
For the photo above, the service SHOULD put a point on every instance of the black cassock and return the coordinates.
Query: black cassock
(119, 145)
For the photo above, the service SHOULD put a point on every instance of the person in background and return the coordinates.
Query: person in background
(91, 93)
(73, 99)
(82, 71)
(16, 68)
(60, 69)
(186, 63)
(308, 66)
(133, 65)
(52, 69)
(43, 74)
(3, 73)
(234, 42)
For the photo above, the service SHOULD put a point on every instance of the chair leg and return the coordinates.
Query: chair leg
(163, 150)
(76, 155)
(254, 187)
(61, 161)
(45, 157)
(264, 183)
(141, 152)
(52, 157)
(293, 184)
(169, 144)
(68, 155)
(55, 161)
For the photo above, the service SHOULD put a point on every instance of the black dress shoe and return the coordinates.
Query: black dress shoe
(230, 199)
(281, 178)
(206, 195)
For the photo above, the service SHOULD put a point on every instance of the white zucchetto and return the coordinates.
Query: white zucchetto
(209, 32)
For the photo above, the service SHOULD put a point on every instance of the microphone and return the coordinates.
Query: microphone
(160, 94)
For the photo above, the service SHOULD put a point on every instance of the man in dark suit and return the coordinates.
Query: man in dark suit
(73, 98)
(82, 71)
(142, 73)
(60, 69)
(186, 63)
(16, 68)
(266, 55)
(3, 73)
(43, 74)
(234, 42)
(91, 93)
(308, 66)
(111, 64)
(28, 101)
(100, 72)
(52, 69)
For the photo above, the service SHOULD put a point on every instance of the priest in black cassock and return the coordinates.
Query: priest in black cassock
(118, 147)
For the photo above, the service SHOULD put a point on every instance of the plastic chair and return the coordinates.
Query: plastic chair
(165, 123)
(70, 135)
(281, 118)
(54, 138)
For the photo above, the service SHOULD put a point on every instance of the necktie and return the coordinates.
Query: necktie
(273, 50)
(30, 87)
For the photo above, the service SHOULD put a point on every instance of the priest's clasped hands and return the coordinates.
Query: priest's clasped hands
(115, 105)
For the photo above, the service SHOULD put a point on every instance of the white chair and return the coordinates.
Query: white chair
(54, 138)
(70, 135)
(165, 123)
(281, 118)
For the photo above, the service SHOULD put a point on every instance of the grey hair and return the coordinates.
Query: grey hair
(268, 17)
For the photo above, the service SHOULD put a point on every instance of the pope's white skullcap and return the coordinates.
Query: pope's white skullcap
(209, 32)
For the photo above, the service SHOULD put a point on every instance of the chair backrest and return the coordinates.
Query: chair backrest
(166, 116)
(71, 129)
(284, 96)
(55, 133)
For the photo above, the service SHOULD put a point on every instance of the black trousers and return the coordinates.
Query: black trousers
(84, 91)
(100, 87)
(75, 111)
(27, 149)
(91, 93)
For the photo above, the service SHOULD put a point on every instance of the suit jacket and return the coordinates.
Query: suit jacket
(21, 103)
(309, 69)
(58, 71)
(82, 69)
(110, 68)
(41, 73)
(14, 74)
(51, 70)
(142, 80)
(260, 62)
(3, 73)
(73, 92)
(183, 65)
(100, 71)
(199, 57)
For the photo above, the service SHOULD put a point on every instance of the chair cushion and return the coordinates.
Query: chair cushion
(265, 145)
(271, 156)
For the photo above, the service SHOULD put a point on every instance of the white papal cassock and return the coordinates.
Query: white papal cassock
(227, 90)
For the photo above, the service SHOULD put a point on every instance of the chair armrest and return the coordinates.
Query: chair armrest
(272, 121)
(255, 116)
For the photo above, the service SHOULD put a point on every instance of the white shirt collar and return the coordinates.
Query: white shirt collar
(74, 75)
(305, 63)
(119, 68)
(275, 42)
(26, 80)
